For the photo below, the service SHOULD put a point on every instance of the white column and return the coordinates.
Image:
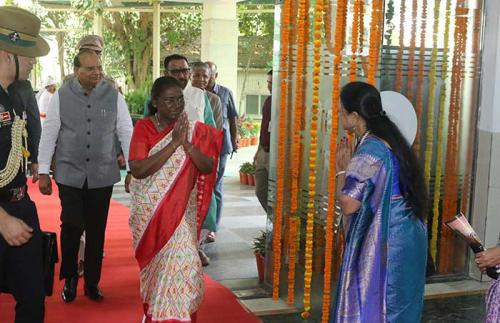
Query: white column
(486, 208)
(97, 26)
(219, 40)
(156, 39)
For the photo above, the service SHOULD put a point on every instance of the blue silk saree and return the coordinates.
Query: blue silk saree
(383, 269)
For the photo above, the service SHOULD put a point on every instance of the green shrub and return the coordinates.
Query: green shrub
(135, 101)
(259, 243)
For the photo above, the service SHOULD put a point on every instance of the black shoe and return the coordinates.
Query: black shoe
(93, 292)
(69, 291)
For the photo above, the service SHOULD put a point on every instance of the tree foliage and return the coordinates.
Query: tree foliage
(127, 55)
(256, 36)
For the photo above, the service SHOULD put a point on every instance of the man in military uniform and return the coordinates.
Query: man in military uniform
(20, 235)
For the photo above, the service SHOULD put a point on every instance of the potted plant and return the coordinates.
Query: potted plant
(251, 175)
(259, 250)
(242, 131)
(254, 134)
(244, 169)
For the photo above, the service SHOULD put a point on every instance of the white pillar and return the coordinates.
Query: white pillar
(219, 40)
(156, 39)
(486, 208)
(97, 26)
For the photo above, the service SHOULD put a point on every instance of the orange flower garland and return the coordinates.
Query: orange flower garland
(376, 27)
(476, 39)
(450, 197)
(330, 215)
(327, 18)
(296, 147)
(411, 57)
(317, 40)
(420, 76)
(292, 253)
(399, 65)
(441, 132)
(361, 27)
(358, 13)
(278, 217)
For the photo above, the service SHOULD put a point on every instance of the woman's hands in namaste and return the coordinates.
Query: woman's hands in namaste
(180, 132)
(344, 154)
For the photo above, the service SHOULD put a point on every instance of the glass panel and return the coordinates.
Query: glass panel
(252, 105)
(440, 76)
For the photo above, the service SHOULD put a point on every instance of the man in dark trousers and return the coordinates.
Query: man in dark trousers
(84, 116)
(229, 116)
(20, 235)
(261, 159)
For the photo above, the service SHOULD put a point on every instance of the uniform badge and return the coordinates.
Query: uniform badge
(14, 37)
(4, 116)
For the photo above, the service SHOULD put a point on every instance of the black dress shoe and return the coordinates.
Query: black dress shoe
(69, 291)
(93, 292)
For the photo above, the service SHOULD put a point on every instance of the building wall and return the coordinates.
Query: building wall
(255, 85)
(486, 214)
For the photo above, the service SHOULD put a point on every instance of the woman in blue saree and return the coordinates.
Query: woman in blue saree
(383, 199)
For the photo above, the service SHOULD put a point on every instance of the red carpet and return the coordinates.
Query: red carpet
(120, 280)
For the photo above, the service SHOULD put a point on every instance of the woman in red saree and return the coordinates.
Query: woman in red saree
(173, 164)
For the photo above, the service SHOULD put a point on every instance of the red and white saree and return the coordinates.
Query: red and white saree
(166, 212)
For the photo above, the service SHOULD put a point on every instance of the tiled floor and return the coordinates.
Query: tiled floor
(233, 262)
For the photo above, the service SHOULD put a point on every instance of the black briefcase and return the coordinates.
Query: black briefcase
(49, 259)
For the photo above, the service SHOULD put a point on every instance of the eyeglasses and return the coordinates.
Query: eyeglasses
(180, 71)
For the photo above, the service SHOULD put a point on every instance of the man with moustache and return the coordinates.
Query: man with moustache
(79, 132)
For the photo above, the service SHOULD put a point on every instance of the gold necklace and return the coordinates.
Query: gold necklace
(158, 120)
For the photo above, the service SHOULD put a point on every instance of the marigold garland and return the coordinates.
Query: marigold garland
(317, 41)
(356, 27)
(303, 30)
(428, 144)
(420, 76)
(450, 195)
(376, 27)
(441, 134)
(292, 257)
(411, 54)
(278, 216)
(476, 41)
(330, 215)
(327, 18)
(398, 82)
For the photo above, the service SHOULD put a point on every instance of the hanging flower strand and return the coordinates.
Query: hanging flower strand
(357, 19)
(376, 27)
(476, 42)
(411, 55)
(296, 146)
(450, 195)
(420, 75)
(428, 144)
(441, 134)
(317, 41)
(399, 70)
(278, 216)
(337, 59)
